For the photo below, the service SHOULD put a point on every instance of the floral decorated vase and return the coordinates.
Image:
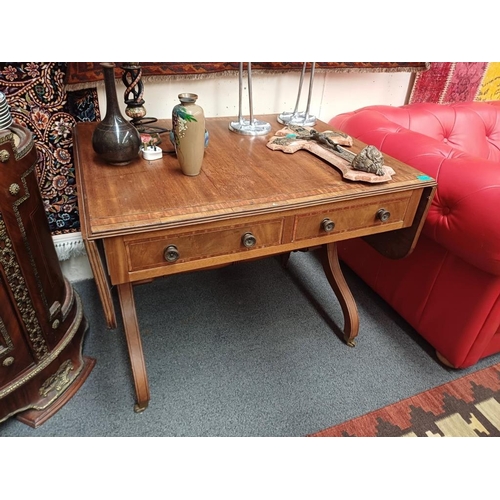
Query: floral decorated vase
(188, 128)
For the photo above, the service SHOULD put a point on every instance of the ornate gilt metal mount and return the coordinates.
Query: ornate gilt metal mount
(59, 381)
(4, 156)
(17, 284)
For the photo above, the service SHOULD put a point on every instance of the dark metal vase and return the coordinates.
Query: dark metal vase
(115, 139)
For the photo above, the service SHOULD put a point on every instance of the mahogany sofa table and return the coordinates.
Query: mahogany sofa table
(146, 219)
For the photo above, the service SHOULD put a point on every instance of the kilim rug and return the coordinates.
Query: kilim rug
(466, 407)
(38, 100)
(449, 82)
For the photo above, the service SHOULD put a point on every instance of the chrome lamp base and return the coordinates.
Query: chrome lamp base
(301, 118)
(247, 127)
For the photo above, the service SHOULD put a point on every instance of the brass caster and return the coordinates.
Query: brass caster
(351, 343)
(140, 408)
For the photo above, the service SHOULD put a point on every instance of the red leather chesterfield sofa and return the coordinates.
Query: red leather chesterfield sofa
(448, 288)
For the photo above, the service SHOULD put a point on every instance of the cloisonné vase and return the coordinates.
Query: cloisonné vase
(188, 126)
(115, 139)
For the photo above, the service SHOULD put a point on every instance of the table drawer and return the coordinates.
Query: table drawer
(393, 210)
(170, 248)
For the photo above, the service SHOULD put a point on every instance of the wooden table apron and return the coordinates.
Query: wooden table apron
(130, 215)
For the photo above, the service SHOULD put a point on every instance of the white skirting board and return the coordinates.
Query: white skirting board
(72, 256)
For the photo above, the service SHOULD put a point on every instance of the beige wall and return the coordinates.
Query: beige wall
(332, 93)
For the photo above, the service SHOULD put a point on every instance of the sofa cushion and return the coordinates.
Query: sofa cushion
(471, 127)
(457, 145)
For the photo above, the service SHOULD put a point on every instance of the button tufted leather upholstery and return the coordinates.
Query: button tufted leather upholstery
(448, 289)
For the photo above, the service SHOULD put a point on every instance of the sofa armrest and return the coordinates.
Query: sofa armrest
(465, 213)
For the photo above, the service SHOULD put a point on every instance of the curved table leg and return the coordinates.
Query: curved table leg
(331, 266)
(134, 343)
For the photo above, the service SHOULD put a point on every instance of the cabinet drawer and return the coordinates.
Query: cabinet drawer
(185, 246)
(393, 211)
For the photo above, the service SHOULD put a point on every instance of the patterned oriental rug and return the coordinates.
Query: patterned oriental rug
(447, 82)
(466, 407)
(38, 100)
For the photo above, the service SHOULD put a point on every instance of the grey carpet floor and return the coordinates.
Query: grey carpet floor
(249, 349)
